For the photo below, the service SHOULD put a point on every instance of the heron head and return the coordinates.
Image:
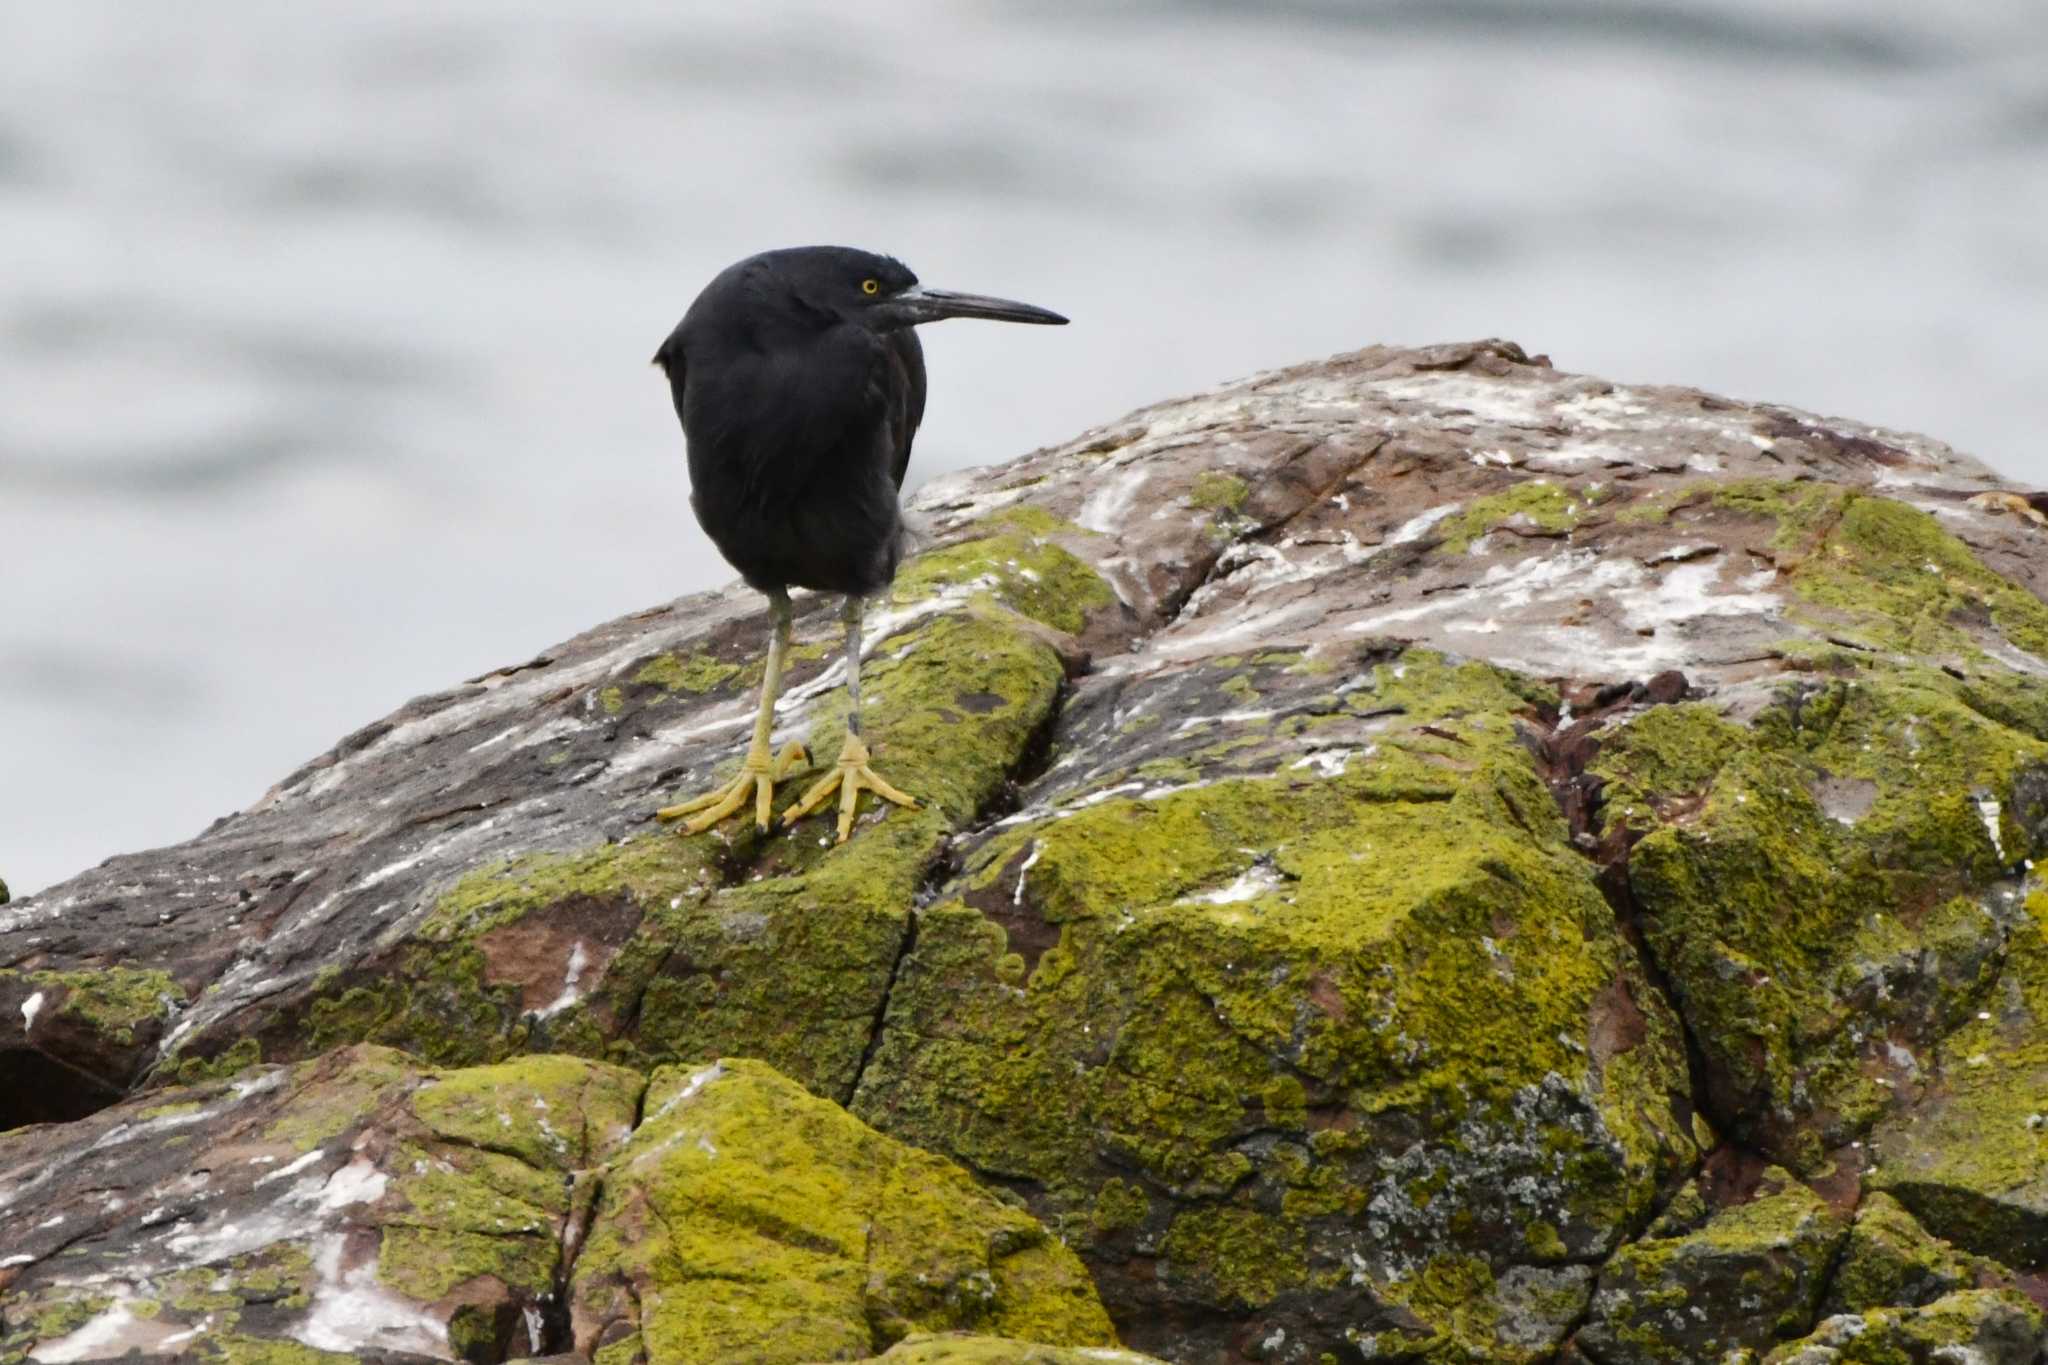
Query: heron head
(882, 294)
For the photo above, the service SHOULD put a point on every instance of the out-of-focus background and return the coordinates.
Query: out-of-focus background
(324, 328)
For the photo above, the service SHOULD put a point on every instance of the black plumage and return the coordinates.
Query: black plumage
(800, 384)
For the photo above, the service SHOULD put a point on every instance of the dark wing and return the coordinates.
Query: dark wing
(670, 359)
(906, 397)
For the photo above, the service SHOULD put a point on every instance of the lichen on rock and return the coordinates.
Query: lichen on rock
(1889, 1260)
(1281, 1029)
(1980, 1327)
(1748, 1277)
(358, 1203)
(749, 1220)
(1824, 887)
(962, 1348)
(1971, 1159)
(1395, 835)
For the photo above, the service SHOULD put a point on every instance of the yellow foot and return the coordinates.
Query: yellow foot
(757, 779)
(848, 777)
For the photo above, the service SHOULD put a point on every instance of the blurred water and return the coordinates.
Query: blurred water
(324, 328)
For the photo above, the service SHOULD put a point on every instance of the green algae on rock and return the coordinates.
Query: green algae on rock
(98, 1025)
(1751, 1275)
(963, 1348)
(1282, 1030)
(750, 1220)
(1828, 887)
(1891, 1261)
(652, 949)
(1536, 507)
(358, 1202)
(1971, 1159)
(1979, 1327)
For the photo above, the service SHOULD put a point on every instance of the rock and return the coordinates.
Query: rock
(1830, 884)
(1890, 1260)
(1971, 1159)
(359, 1203)
(366, 1205)
(1981, 1327)
(956, 1348)
(747, 1220)
(1752, 1274)
(1385, 823)
(1343, 1044)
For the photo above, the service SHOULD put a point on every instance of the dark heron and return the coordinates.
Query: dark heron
(800, 383)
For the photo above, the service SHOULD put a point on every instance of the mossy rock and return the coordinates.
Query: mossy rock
(659, 947)
(1750, 1276)
(355, 1204)
(749, 1220)
(1281, 1030)
(961, 1348)
(1971, 1158)
(1829, 887)
(1980, 1327)
(1891, 1261)
(98, 1026)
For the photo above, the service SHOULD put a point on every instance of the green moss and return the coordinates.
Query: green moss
(1016, 561)
(696, 673)
(58, 1315)
(1455, 1295)
(613, 700)
(1668, 1299)
(245, 1053)
(1536, 505)
(1970, 1325)
(282, 1274)
(336, 1093)
(745, 1211)
(777, 947)
(545, 1111)
(1891, 1260)
(1215, 491)
(114, 1002)
(427, 1263)
(1873, 570)
(1119, 1205)
(491, 1204)
(1815, 885)
(171, 1111)
(233, 1350)
(958, 1348)
(1543, 1242)
(1241, 1257)
(1968, 1160)
(1404, 958)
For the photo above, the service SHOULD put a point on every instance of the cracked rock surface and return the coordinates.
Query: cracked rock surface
(365, 1206)
(1413, 849)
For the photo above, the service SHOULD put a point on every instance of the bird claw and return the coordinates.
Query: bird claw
(849, 777)
(757, 778)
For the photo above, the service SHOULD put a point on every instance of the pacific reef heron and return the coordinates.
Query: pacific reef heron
(799, 381)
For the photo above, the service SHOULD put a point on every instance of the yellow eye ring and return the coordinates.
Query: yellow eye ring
(870, 286)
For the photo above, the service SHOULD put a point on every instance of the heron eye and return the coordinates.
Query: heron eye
(870, 286)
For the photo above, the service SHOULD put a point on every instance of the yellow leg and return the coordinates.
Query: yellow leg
(851, 775)
(760, 770)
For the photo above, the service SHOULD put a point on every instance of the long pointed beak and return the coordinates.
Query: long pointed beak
(919, 304)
